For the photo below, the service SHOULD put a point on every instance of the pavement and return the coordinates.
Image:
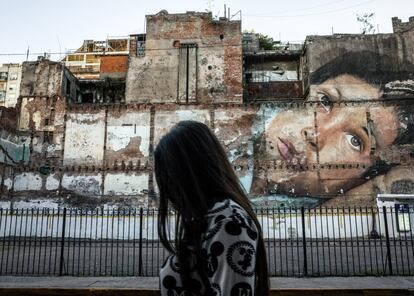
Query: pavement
(151, 283)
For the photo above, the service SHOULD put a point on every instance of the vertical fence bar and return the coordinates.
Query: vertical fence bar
(16, 212)
(141, 211)
(410, 211)
(25, 240)
(363, 238)
(62, 243)
(19, 242)
(280, 240)
(2, 239)
(316, 218)
(146, 244)
(129, 239)
(133, 242)
(328, 241)
(393, 215)
(305, 258)
(387, 237)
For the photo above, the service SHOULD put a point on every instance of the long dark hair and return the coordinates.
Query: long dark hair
(193, 172)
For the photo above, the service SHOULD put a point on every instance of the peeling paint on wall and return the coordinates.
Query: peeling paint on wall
(27, 182)
(128, 136)
(87, 184)
(165, 119)
(126, 184)
(52, 182)
(84, 141)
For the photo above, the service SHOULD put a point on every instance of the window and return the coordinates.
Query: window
(87, 98)
(187, 73)
(75, 58)
(47, 137)
(68, 86)
(92, 59)
(3, 75)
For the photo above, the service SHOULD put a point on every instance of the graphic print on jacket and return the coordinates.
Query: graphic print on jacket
(229, 247)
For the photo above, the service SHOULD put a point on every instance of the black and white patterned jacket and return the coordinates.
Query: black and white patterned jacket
(229, 246)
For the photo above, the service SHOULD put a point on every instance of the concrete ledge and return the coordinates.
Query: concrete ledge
(62, 286)
(146, 292)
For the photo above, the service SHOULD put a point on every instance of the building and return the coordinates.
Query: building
(271, 75)
(328, 121)
(100, 68)
(186, 58)
(10, 77)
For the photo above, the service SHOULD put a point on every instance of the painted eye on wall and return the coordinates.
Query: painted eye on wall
(326, 102)
(354, 141)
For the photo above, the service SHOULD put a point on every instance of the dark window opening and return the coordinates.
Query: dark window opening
(68, 85)
(46, 121)
(47, 137)
(141, 38)
(87, 98)
(187, 73)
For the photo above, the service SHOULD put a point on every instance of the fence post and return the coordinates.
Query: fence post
(62, 244)
(384, 210)
(141, 211)
(305, 258)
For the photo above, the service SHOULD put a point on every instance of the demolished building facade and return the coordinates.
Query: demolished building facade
(84, 130)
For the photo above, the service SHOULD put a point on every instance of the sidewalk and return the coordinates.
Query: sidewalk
(10, 285)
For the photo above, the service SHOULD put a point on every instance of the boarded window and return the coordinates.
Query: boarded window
(187, 73)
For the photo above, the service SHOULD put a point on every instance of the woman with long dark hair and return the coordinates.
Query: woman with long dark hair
(216, 246)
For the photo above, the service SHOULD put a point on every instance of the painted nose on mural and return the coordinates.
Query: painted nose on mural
(310, 136)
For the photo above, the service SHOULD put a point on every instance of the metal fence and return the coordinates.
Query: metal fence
(124, 242)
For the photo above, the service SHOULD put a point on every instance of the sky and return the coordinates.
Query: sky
(57, 26)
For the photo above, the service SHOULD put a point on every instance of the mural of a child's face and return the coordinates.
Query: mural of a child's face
(331, 134)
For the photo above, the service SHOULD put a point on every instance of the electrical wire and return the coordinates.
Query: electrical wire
(311, 14)
(300, 9)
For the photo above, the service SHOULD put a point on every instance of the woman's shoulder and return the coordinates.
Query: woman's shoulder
(230, 218)
(226, 207)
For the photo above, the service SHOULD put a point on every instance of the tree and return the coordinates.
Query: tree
(365, 21)
(266, 42)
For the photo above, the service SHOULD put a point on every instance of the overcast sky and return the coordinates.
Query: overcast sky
(57, 26)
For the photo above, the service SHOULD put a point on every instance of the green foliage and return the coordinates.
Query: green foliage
(266, 42)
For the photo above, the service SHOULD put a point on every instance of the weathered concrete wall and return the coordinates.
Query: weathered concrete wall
(167, 116)
(269, 145)
(213, 60)
(41, 78)
(44, 78)
(27, 182)
(32, 188)
(399, 26)
(351, 139)
(128, 135)
(393, 51)
(41, 126)
(126, 184)
(85, 138)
